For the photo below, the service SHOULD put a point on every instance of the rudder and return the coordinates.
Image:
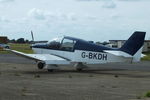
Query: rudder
(134, 43)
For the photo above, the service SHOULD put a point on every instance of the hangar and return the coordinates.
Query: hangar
(119, 43)
(3, 39)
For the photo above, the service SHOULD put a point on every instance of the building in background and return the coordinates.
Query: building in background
(119, 44)
(146, 47)
(3, 40)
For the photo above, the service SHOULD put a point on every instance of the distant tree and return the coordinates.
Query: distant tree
(91, 41)
(105, 43)
(12, 41)
(27, 41)
(98, 43)
(20, 40)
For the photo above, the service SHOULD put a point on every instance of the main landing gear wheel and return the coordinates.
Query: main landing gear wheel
(50, 70)
(40, 65)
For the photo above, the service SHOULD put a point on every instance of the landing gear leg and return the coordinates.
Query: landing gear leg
(79, 66)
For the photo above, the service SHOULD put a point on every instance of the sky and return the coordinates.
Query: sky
(97, 20)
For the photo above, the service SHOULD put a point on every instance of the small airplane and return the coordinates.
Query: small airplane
(78, 53)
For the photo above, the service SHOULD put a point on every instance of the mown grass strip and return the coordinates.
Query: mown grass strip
(147, 57)
(19, 47)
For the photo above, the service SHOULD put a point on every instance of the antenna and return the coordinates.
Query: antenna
(32, 36)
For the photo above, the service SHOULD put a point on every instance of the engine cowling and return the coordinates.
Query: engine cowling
(41, 65)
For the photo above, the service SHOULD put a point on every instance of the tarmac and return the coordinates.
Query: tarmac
(22, 80)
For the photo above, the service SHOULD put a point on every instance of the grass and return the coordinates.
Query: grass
(139, 97)
(147, 94)
(19, 47)
(116, 76)
(147, 57)
(24, 90)
(17, 74)
(36, 76)
(4, 52)
(69, 76)
(91, 75)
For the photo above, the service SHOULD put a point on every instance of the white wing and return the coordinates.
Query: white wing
(47, 58)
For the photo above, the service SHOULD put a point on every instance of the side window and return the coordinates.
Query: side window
(67, 45)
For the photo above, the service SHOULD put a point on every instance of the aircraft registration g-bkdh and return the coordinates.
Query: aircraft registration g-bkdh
(81, 54)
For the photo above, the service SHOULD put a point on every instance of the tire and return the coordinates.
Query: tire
(40, 65)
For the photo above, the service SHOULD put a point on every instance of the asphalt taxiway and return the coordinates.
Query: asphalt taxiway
(21, 80)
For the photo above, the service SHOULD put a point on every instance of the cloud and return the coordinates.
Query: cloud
(109, 0)
(115, 16)
(133, 0)
(37, 14)
(91, 17)
(4, 1)
(129, 0)
(88, 0)
(109, 4)
(3, 19)
(45, 15)
(72, 16)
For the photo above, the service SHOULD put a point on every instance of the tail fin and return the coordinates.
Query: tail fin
(134, 44)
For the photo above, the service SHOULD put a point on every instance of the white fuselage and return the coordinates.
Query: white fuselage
(87, 57)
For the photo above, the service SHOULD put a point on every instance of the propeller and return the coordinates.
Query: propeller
(32, 36)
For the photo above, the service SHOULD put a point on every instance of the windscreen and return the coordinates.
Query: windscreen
(55, 43)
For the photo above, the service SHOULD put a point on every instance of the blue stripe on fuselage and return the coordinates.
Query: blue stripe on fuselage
(79, 45)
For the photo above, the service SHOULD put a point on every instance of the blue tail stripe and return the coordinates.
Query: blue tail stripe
(134, 43)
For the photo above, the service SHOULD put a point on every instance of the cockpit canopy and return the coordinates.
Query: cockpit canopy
(55, 43)
(62, 43)
(71, 44)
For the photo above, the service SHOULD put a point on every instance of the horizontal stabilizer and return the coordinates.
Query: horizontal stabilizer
(118, 53)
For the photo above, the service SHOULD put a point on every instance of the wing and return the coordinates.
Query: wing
(47, 58)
